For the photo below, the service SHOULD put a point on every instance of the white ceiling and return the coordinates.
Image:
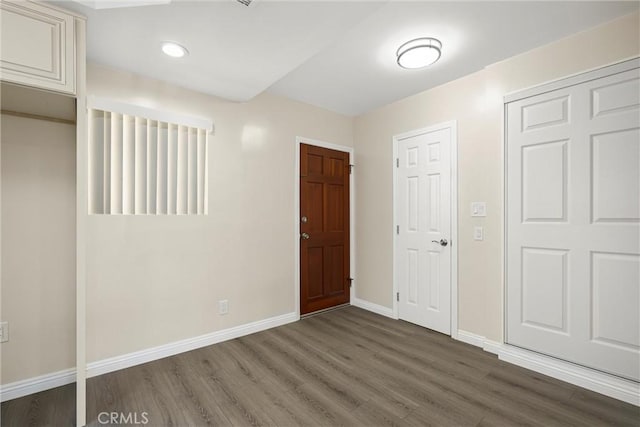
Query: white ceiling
(338, 55)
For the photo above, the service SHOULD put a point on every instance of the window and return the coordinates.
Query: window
(144, 162)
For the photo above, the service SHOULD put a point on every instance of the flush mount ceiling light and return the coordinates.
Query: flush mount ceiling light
(174, 50)
(419, 53)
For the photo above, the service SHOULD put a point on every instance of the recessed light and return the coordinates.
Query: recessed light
(419, 53)
(174, 50)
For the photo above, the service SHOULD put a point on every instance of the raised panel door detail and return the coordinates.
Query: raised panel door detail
(316, 164)
(544, 288)
(316, 272)
(335, 269)
(434, 152)
(413, 190)
(412, 157)
(315, 217)
(413, 275)
(544, 181)
(546, 113)
(37, 46)
(434, 281)
(616, 299)
(434, 202)
(616, 97)
(616, 176)
(337, 168)
(335, 213)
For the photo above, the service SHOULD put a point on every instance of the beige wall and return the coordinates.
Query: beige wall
(475, 101)
(38, 247)
(157, 279)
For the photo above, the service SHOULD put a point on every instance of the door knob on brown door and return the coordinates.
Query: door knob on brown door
(441, 242)
(305, 236)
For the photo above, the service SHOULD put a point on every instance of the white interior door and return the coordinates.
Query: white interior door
(423, 213)
(573, 236)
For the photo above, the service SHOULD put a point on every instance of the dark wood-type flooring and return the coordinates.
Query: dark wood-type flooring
(343, 367)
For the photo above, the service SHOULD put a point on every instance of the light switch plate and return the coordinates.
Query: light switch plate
(478, 209)
(478, 233)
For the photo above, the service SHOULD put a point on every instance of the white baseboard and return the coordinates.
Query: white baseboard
(600, 382)
(470, 338)
(493, 347)
(478, 341)
(609, 385)
(143, 356)
(37, 384)
(56, 379)
(375, 308)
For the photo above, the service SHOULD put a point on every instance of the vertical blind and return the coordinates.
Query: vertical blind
(141, 166)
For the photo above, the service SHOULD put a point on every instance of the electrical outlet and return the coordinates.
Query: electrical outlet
(4, 331)
(223, 306)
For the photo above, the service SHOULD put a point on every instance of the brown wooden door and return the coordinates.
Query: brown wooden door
(324, 228)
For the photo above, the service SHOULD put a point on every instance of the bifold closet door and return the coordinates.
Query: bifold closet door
(573, 217)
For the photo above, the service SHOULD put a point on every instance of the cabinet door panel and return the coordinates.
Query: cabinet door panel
(37, 46)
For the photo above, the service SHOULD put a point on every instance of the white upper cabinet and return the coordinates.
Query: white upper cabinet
(38, 46)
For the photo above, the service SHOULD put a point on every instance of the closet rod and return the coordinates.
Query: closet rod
(37, 117)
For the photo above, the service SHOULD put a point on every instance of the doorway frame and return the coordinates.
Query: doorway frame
(296, 216)
(452, 125)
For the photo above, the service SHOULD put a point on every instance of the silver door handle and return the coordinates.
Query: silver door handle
(441, 242)
(305, 236)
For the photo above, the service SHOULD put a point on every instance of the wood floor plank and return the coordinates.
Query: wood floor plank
(331, 366)
(427, 394)
(278, 404)
(374, 415)
(425, 354)
(438, 416)
(321, 406)
(226, 393)
(278, 368)
(476, 392)
(55, 407)
(603, 410)
(200, 406)
(530, 382)
(318, 375)
(364, 386)
(343, 367)
(336, 334)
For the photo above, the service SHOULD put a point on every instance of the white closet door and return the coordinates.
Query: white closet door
(573, 217)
